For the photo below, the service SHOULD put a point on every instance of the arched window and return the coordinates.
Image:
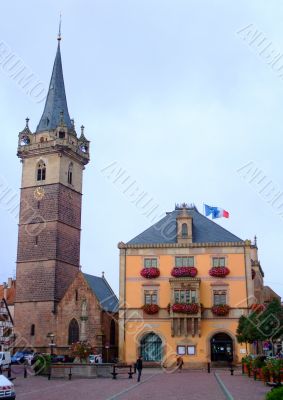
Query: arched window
(70, 174)
(184, 230)
(32, 330)
(74, 332)
(112, 332)
(76, 295)
(41, 171)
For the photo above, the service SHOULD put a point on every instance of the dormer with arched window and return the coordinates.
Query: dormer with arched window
(184, 226)
(41, 171)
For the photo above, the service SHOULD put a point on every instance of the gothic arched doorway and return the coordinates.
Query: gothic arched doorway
(151, 347)
(221, 346)
(74, 332)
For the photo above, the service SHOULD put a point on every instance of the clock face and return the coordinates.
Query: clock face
(39, 193)
(25, 140)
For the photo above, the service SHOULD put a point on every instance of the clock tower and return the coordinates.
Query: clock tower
(48, 258)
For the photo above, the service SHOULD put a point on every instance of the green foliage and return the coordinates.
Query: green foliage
(275, 394)
(267, 325)
(42, 364)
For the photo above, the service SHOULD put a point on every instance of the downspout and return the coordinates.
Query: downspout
(124, 305)
(246, 279)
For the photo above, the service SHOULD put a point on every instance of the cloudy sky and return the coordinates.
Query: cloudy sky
(182, 98)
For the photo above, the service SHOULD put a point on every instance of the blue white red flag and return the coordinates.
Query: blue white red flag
(215, 212)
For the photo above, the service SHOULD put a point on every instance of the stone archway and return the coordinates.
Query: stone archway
(221, 347)
(151, 348)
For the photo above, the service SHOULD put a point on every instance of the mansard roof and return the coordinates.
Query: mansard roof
(204, 230)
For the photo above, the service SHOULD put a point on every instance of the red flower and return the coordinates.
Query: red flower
(186, 308)
(150, 273)
(184, 271)
(219, 272)
(257, 308)
(220, 309)
(150, 308)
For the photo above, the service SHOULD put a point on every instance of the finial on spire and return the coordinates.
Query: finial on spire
(255, 241)
(103, 274)
(27, 121)
(59, 31)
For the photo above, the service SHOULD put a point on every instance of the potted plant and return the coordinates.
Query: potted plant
(191, 308)
(150, 308)
(150, 273)
(220, 309)
(184, 272)
(219, 272)
(257, 308)
(81, 351)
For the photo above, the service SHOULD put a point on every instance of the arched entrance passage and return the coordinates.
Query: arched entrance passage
(151, 347)
(221, 346)
(74, 332)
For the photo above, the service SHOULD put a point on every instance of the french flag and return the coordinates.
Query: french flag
(215, 212)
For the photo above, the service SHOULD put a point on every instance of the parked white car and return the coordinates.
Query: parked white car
(7, 389)
(5, 359)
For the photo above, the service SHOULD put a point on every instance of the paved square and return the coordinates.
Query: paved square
(155, 384)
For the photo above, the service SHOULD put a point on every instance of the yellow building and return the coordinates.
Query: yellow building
(184, 283)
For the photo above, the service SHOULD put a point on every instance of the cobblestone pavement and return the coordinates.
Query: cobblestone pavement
(155, 385)
(242, 387)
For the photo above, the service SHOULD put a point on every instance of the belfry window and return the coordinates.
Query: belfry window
(41, 171)
(70, 174)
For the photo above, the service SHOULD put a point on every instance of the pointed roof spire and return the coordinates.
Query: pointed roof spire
(56, 101)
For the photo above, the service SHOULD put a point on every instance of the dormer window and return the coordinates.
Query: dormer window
(61, 135)
(184, 230)
(70, 174)
(41, 171)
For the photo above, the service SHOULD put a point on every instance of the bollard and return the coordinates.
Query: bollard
(25, 372)
(9, 371)
(208, 367)
(232, 370)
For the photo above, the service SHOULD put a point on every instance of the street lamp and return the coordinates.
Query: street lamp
(51, 336)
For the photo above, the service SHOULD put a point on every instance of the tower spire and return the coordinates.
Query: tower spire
(56, 102)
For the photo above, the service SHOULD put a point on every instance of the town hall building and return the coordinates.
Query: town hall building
(184, 284)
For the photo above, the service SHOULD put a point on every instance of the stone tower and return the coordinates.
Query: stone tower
(48, 259)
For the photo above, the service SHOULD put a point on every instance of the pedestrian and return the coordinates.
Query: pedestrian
(180, 363)
(139, 367)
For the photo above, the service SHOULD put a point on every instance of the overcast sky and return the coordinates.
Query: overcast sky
(179, 94)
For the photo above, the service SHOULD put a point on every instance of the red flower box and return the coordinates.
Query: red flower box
(184, 271)
(150, 273)
(257, 308)
(219, 272)
(221, 309)
(186, 308)
(150, 308)
(253, 273)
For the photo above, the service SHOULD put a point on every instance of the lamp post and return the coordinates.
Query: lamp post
(51, 344)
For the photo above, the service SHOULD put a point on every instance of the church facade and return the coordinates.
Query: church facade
(184, 283)
(53, 298)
